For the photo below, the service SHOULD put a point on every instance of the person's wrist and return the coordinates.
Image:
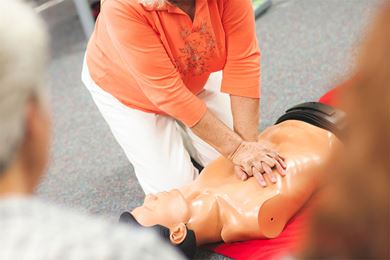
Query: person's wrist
(247, 134)
(249, 137)
(236, 148)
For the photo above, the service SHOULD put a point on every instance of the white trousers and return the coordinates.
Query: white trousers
(158, 146)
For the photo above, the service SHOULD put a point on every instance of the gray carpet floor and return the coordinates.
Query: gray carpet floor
(307, 47)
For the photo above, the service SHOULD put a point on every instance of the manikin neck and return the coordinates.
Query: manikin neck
(205, 220)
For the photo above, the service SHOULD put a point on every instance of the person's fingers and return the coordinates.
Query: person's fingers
(268, 171)
(280, 169)
(259, 177)
(272, 154)
(256, 155)
(281, 161)
(247, 168)
(268, 160)
(280, 165)
(240, 173)
(281, 156)
(258, 166)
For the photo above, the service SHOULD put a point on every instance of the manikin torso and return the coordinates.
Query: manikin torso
(222, 207)
(245, 210)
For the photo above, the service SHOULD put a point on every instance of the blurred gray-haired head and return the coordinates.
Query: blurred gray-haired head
(23, 56)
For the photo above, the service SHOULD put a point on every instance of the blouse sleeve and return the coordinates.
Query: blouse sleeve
(241, 74)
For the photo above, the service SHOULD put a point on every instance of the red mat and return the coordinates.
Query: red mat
(330, 97)
(292, 236)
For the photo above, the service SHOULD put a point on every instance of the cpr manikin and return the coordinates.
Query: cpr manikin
(218, 206)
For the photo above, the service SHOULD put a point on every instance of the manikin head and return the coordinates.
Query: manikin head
(174, 215)
(24, 121)
(167, 213)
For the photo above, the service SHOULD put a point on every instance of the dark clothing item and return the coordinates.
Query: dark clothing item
(318, 114)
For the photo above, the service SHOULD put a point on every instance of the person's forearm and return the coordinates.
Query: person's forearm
(217, 134)
(245, 116)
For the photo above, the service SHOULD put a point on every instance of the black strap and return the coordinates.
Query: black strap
(318, 114)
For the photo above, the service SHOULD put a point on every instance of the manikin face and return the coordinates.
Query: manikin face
(165, 208)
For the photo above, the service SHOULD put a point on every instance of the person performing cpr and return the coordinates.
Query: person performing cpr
(176, 80)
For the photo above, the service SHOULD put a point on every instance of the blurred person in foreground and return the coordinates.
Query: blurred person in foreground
(30, 229)
(353, 220)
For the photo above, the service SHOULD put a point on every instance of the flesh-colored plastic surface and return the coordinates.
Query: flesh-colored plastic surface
(218, 206)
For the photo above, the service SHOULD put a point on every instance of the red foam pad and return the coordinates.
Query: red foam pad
(330, 97)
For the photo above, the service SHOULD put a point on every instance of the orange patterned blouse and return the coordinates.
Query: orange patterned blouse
(157, 59)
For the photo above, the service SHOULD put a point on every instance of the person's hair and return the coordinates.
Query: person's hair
(23, 46)
(353, 219)
(153, 3)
